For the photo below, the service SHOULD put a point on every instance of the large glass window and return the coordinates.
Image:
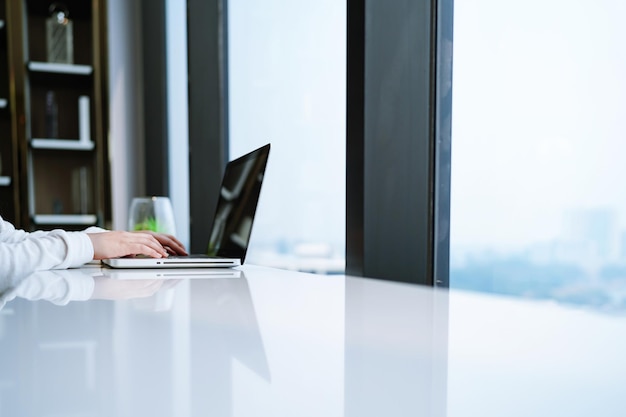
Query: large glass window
(287, 71)
(538, 208)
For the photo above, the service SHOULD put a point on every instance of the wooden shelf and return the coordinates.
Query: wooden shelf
(53, 67)
(55, 126)
(62, 144)
(69, 219)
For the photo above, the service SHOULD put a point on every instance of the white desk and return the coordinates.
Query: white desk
(279, 343)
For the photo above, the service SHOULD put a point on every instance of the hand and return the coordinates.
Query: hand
(169, 242)
(116, 244)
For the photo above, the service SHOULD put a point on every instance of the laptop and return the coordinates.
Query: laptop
(231, 224)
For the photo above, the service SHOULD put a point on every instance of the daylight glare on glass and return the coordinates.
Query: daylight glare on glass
(286, 86)
(538, 149)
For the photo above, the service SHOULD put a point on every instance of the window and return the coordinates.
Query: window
(287, 86)
(537, 160)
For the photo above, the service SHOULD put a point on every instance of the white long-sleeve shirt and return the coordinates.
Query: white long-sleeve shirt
(22, 253)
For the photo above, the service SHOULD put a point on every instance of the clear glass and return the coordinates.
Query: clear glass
(152, 213)
(287, 86)
(537, 149)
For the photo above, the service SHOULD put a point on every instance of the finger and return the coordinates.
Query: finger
(167, 240)
(145, 250)
(172, 240)
(177, 248)
(148, 245)
(170, 251)
(157, 246)
(174, 244)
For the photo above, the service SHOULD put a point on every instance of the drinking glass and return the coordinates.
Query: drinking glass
(152, 213)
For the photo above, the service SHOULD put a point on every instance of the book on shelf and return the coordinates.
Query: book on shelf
(81, 201)
(84, 126)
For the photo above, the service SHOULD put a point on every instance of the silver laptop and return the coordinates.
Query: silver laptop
(232, 222)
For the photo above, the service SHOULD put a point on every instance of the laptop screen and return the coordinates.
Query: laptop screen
(237, 203)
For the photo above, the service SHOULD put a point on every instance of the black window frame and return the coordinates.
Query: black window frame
(399, 106)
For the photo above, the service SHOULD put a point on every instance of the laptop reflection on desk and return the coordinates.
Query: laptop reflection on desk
(165, 274)
(232, 222)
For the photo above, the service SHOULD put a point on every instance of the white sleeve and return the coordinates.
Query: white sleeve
(22, 253)
(9, 234)
(94, 229)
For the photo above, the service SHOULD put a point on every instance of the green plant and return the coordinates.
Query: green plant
(150, 223)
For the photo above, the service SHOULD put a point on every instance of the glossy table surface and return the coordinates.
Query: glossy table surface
(266, 342)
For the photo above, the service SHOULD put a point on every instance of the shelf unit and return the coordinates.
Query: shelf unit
(9, 173)
(3, 101)
(59, 117)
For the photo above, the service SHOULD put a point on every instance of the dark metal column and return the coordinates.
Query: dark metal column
(392, 139)
(208, 107)
(155, 96)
